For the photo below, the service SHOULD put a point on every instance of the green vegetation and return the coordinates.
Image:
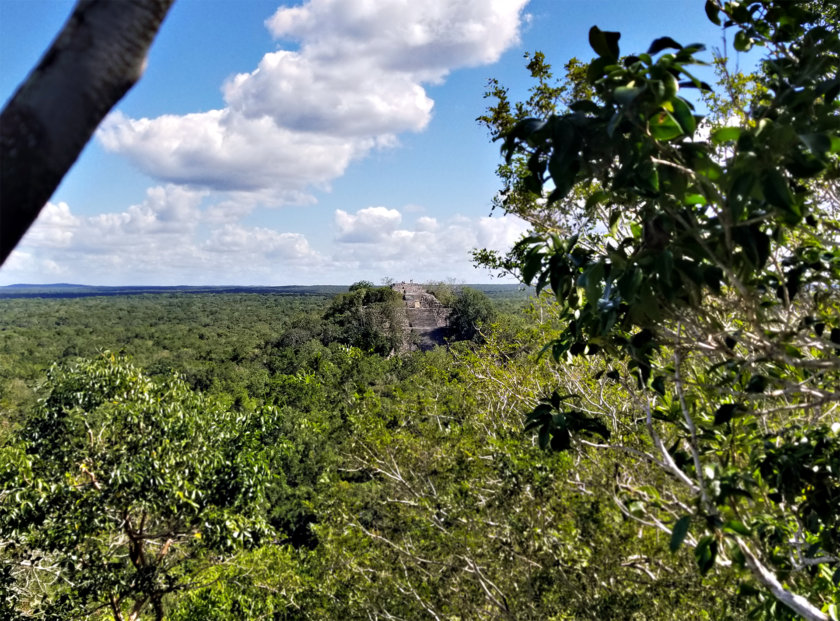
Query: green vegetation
(374, 485)
(655, 436)
(470, 310)
(368, 317)
(130, 487)
(695, 264)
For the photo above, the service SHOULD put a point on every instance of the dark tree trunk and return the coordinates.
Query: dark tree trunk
(99, 54)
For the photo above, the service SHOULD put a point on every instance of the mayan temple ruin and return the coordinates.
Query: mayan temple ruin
(426, 319)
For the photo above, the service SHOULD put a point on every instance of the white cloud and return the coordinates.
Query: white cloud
(55, 228)
(35, 268)
(169, 239)
(372, 241)
(165, 239)
(265, 242)
(167, 210)
(425, 223)
(369, 225)
(342, 99)
(221, 150)
(301, 117)
(423, 39)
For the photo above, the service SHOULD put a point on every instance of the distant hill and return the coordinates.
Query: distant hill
(67, 290)
(70, 290)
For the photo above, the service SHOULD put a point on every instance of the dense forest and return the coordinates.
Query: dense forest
(651, 432)
(220, 456)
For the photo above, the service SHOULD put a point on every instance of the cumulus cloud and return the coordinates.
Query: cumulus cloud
(262, 241)
(221, 150)
(165, 239)
(342, 99)
(425, 39)
(56, 226)
(369, 225)
(426, 223)
(167, 210)
(34, 267)
(375, 239)
(168, 238)
(297, 121)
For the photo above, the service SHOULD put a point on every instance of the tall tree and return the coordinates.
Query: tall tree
(119, 491)
(371, 318)
(96, 58)
(699, 267)
(470, 309)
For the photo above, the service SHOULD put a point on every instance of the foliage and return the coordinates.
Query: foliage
(700, 266)
(451, 515)
(119, 490)
(224, 344)
(368, 317)
(470, 493)
(470, 309)
(361, 285)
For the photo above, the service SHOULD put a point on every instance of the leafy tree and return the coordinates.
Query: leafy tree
(120, 491)
(370, 318)
(362, 284)
(700, 270)
(442, 509)
(469, 310)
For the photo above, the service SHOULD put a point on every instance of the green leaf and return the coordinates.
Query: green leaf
(544, 437)
(625, 95)
(737, 528)
(818, 144)
(604, 43)
(663, 43)
(740, 193)
(684, 116)
(724, 413)
(706, 553)
(613, 124)
(636, 507)
(533, 263)
(726, 134)
(679, 532)
(658, 384)
(596, 69)
(596, 198)
(561, 440)
(777, 192)
(520, 132)
(712, 12)
(615, 216)
(563, 171)
(829, 88)
(578, 421)
(743, 42)
(757, 384)
(594, 276)
(663, 126)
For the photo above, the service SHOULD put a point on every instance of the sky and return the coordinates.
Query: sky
(313, 142)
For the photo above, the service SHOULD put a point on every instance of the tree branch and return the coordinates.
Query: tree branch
(797, 603)
(96, 58)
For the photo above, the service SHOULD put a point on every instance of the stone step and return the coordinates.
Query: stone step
(425, 317)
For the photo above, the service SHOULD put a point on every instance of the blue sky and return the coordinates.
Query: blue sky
(317, 142)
